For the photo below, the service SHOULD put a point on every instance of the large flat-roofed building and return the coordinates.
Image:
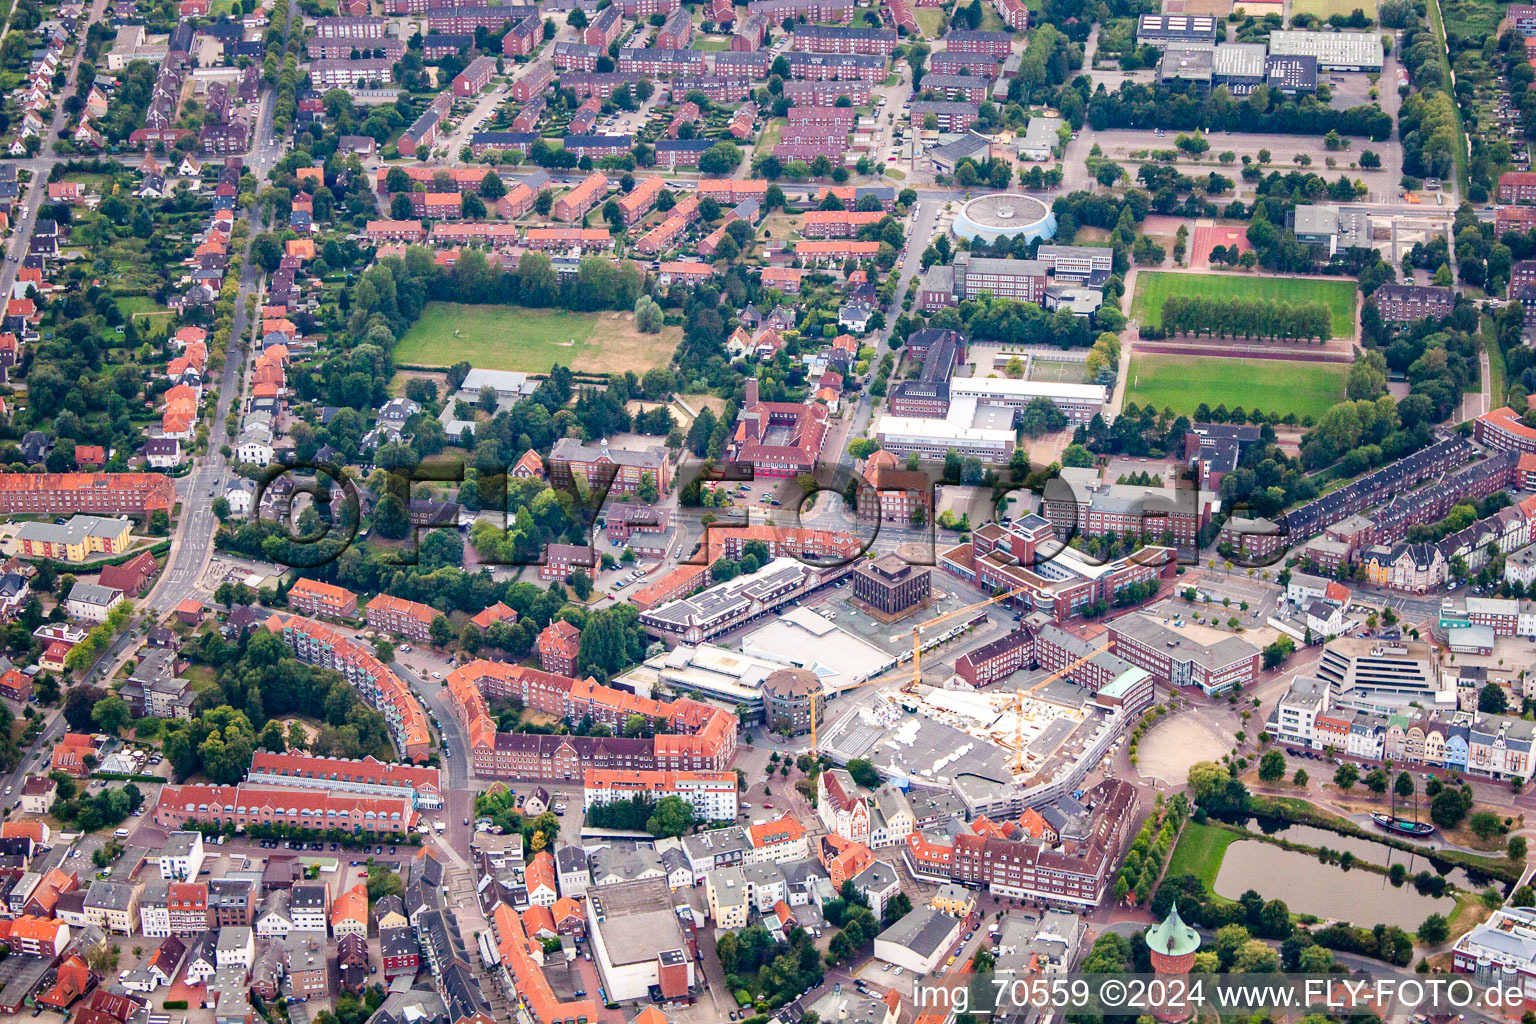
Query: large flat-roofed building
(1381, 676)
(1076, 262)
(1023, 280)
(1040, 139)
(933, 438)
(1187, 63)
(1238, 66)
(638, 942)
(1078, 402)
(1335, 51)
(1176, 659)
(1169, 29)
(1026, 556)
(736, 602)
(890, 585)
(1291, 74)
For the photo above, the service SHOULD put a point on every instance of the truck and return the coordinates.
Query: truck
(437, 826)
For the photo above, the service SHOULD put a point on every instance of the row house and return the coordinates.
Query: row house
(676, 32)
(515, 141)
(400, 617)
(437, 45)
(640, 199)
(869, 68)
(838, 223)
(523, 37)
(995, 44)
(775, 11)
(749, 33)
(716, 88)
(564, 239)
(533, 81)
(598, 146)
(1406, 303)
(602, 84)
(1015, 13)
(243, 806)
(574, 205)
(489, 236)
(389, 48)
(739, 64)
(475, 77)
(838, 39)
(982, 65)
(461, 20)
(827, 93)
(674, 153)
(660, 62)
(423, 132)
(604, 29)
(408, 231)
(576, 56)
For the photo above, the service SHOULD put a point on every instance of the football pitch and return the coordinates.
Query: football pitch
(1152, 287)
(1181, 383)
(532, 340)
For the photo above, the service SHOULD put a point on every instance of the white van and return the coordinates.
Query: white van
(121, 833)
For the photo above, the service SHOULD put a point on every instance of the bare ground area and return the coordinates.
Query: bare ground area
(1167, 751)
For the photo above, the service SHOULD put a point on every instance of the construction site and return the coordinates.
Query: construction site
(1025, 742)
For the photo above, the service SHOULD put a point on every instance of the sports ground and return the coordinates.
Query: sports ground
(532, 340)
(1152, 287)
(1181, 383)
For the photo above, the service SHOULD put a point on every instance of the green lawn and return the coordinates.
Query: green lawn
(1181, 383)
(930, 19)
(711, 43)
(1324, 9)
(1199, 853)
(531, 340)
(495, 337)
(1152, 287)
(140, 305)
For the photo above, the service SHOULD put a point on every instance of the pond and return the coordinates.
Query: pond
(1328, 891)
(1367, 850)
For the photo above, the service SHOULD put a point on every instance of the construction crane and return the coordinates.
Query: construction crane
(917, 654)
(1021, 693)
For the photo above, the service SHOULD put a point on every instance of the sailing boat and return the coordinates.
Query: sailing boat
(1390, 822)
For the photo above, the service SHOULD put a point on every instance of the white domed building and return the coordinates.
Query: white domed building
(1005, 215)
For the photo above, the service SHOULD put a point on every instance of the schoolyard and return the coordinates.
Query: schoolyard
(532, 340)
(1152, 287)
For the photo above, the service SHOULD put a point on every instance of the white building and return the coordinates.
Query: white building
(1296, 713)
(90, 602)
(919, 941)
(182, 857)
(712, 795)
(237, 946)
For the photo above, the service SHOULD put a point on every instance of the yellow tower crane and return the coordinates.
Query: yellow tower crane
(1018, 706)
(917, 654)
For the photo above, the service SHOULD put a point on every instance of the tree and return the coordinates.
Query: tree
(720, 159)
(1272, 766)
(1276, 653)
(492, 187)
(672, 817)
(1447, 809)
(1346, 777)
(864, 773)
(1491, 700)
(1516, 849)
(1300, 778)
(1434, 930)
(581, 583)
(1376, 781)
(440, 631)
(112, 714)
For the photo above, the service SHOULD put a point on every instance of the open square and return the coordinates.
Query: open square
(532, 340)
(1153, 287)
(1181, 383)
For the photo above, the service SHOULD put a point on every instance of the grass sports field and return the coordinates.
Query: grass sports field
(1181, 383)
(532, 340)
(1152, 287)
(1325, 9)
